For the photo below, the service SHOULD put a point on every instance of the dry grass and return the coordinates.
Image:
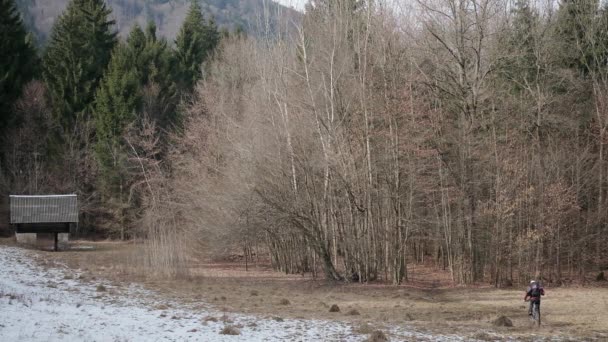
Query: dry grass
(230, 330)
(578, 312)
(353, 312)
(502, 321)
(377, 336)
(334, 308)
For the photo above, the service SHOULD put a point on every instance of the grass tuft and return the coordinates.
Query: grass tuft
(377, 336)
(230, 330)
(502, 321)
(353, 312)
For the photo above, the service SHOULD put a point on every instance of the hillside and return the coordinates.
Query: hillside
(168, 14)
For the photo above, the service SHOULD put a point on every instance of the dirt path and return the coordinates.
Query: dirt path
(39, 304)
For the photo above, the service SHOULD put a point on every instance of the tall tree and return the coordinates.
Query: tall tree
(329, 6)
(195, 41)
(78, 52)
(137, 87)
(116, 102)
(17, 59)
(574, 36)
(118, 96)
(156, 65)
(141, 61)
(520, 62)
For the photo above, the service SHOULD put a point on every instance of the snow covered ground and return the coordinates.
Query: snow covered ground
(39, 304)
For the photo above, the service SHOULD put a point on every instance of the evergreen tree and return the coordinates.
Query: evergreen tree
(17, 59)
(155, 64)
(116, 103)
(600, 46)
(327, 6)
(118, 96)
(520, 64)
(136, 41)
(575, 33)
(39, 37)
(140, 61)
(195, 41)
(79, 50)
(161, 71)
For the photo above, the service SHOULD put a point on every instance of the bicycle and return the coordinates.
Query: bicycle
(535, 313)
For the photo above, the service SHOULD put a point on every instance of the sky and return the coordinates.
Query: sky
(297, 4)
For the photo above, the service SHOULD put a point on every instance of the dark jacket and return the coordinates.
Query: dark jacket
(530, 293)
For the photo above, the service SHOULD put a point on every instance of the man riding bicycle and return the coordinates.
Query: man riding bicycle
(533, 294)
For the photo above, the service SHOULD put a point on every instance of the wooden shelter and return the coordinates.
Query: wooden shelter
(43, 214)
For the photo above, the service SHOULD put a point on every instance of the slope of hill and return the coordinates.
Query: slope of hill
(252, 15)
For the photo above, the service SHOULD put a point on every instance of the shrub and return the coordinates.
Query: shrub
(503, 321)
(377, 336)
(230, 330)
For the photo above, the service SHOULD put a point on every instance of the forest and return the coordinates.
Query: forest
(352, 144)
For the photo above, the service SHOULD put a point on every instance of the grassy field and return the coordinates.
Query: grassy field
(571, 313)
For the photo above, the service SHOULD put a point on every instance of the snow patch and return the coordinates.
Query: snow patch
(38, 304)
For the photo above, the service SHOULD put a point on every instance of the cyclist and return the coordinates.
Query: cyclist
(533, 294)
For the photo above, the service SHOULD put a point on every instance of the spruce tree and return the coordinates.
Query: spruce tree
(17, 59)
(574, 35)
(116, 102)
(335, 5)
(600, 40)
(161, 70)
(520, 64)
(195, 41)
(141, 60)
(117, 98)
(156, 65)
(79, 50)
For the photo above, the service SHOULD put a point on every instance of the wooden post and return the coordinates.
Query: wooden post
(56, 241)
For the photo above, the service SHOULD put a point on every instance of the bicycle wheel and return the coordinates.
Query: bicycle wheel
(536, 313)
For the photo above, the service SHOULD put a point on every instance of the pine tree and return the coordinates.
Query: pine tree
(118, 96)
(520, 63)
(195, 41)
(335, 5)
(136, 64)
(161, 71)
(116, 102)
(574, 36)
(39, 37)
(17, 59)
(79, 50)
(600, 40)
(155, 63)
(141, 61)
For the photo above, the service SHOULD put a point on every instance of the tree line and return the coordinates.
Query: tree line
(468, 135)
